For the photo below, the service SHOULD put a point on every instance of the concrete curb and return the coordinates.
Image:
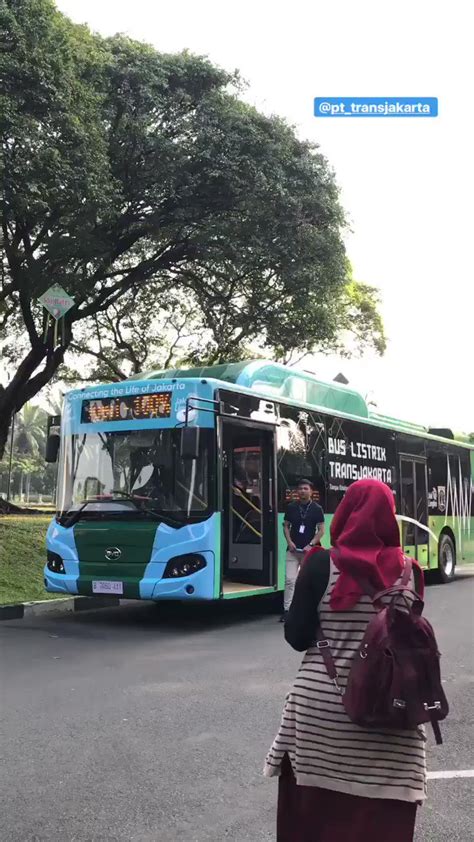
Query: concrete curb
(25, 610)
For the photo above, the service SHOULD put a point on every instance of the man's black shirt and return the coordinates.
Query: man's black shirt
(309, 515)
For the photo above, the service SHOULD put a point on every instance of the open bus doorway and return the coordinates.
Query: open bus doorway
(248, 491)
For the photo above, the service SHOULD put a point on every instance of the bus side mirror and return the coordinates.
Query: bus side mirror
(52, 438)
(52, 448)
(189, 443)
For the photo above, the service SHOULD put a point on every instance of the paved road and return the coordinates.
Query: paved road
(144, 724)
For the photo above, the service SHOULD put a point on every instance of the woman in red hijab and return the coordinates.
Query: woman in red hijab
(366, 542)
(340, 782)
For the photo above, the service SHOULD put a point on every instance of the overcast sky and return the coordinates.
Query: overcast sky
(406, 183)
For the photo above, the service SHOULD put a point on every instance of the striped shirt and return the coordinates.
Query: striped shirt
(325, 748)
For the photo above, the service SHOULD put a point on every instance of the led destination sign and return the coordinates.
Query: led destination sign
(129, 407)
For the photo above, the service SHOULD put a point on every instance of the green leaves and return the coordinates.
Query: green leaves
(132, 175)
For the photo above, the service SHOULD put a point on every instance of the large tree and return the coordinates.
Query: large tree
(132, 337)
(124, 170)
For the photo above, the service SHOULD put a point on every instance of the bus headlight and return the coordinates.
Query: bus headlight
(184, 565)
(55, 563)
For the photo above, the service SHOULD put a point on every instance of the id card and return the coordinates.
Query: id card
(302, 529)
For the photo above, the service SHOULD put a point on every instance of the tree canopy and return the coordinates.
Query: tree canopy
(132, 337)
(133, 176)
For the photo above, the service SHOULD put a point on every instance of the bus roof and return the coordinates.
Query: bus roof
(279, 381)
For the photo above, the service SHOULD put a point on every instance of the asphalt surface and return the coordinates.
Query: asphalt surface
(150, 724)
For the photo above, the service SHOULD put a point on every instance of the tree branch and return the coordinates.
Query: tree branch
(28, 319)
(54, 215)
(173, 345)
(6, 290)
(99, 355)
(43, 377)
(164, 259)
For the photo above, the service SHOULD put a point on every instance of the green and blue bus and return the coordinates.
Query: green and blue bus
(173, 485)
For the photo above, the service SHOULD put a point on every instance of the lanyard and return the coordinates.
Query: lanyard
(303, 514)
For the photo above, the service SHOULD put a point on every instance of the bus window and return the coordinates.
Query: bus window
(246, 488)
(414, 504)
(408, 500)
(146, 464)
(421, 501)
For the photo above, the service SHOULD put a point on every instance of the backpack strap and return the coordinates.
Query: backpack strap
(325, 650)
(436, 731)
(376, 596)
(406, 575)
(323, 645)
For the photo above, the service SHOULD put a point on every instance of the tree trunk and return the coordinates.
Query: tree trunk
(5, 420)
(7, 508)
(26, 383)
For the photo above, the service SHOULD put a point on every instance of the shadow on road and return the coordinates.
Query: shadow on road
(172, 617)
(165, 617)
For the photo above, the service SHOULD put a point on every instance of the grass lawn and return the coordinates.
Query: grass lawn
(22, 556)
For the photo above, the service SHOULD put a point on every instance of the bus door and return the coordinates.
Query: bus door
(414, 504)
(248, 505)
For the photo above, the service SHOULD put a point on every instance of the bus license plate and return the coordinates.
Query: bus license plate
(107, 587)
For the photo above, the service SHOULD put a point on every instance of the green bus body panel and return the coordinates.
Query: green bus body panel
(217, 556)
(463, 533)
(227, 372)
(135, 541)
(463, 537)
(250, 592)
(281, 550)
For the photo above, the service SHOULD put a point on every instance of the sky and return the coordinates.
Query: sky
(406, 184)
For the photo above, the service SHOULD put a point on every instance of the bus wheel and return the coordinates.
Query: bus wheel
(446, 559)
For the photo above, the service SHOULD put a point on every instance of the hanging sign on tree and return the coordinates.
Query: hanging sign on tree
(56, 301)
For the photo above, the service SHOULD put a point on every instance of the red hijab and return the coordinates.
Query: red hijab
(366, 542)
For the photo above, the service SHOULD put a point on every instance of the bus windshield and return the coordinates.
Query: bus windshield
(132, 471)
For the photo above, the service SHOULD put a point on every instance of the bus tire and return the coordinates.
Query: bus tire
(446, 559)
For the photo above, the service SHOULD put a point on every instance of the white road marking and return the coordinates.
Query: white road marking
(462, 773)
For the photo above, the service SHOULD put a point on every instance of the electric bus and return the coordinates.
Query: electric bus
(173, 485)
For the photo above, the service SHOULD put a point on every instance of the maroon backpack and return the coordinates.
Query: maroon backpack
(395, 679)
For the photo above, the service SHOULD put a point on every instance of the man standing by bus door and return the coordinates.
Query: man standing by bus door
(304, 528)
